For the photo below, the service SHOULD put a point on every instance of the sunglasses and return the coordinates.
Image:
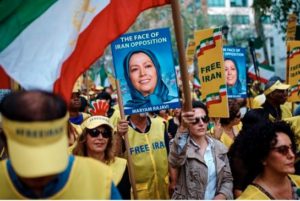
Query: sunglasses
(284, 149)
(204, 119)
(95, 133)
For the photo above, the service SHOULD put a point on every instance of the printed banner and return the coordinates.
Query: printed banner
(211, 71)
(235, 71)
(144, 66)
(293, 70)
(291, 27)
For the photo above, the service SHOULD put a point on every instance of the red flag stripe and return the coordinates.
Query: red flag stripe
(109, 24)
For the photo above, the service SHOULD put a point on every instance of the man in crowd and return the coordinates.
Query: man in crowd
(148, 149)
(276, 96)
(38, 166)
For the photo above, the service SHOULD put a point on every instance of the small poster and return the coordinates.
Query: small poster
(235, 71)
(211, 71)
(143, 63)
(293, 70)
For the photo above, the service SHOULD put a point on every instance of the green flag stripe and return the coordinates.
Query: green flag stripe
(266, 67)
(20, 17)
(7, 7)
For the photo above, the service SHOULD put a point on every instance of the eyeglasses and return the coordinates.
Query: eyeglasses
(205, 119)
(284, 149)
(95, 133)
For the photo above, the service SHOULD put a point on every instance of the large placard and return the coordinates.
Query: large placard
(144, 66)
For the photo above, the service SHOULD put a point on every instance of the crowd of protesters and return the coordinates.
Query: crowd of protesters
(86, 151)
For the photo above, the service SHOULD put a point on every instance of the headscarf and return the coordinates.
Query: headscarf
(160, 93)
(237, 87)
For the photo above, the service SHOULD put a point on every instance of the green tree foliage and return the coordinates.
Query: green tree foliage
(280, 9)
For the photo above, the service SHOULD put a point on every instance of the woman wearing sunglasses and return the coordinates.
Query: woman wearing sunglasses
(96, 141)
(201, 161)
(226, 129)
(268, 153)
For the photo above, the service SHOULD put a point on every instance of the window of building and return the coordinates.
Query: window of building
(217, 20)
(271, 41)
(238, 3)
(272, 59)
(198, 4)
(240, 19)
(216, 3)
(266, 19)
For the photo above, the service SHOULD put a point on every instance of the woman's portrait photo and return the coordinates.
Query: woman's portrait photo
(234, 86)
(146, 71)
(235, 71)
(143, 76)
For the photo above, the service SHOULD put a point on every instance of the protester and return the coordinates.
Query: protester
(268, 154)
(142, 72)
(276, 96)
(113, 113)
(174, 123)
(253, 118)
(226, 129)
(39, 167)
(201, 161)
(96, 141)
(76, 117)
(148, 142)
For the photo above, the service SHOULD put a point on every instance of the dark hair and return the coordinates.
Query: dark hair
(254, 117)
(234, 108)
(252, 146)
(199, 104)
(105, 96)
(33, 106)
(83, 105)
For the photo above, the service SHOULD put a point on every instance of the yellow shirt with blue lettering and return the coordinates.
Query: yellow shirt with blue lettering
(150, 162)
(88, 179)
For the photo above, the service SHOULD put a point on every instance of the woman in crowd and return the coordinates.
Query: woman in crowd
(174, 123)
(96, 141)
(201, 161)
(268, 153)
(227, 129)
(142, 72)
(252, 118)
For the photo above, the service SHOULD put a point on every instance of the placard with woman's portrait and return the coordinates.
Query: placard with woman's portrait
(144, 66)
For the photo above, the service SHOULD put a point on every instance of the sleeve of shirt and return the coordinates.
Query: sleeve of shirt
(115, 195)
(178, 149)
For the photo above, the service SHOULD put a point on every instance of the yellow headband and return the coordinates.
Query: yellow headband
(37, 132)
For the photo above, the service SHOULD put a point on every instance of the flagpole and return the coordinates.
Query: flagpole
(129, 159)
(182, 60)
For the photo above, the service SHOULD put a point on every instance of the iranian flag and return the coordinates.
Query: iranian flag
(48, 44)
(214, 98)
(265, 72)
(295, 51)
(209, 43)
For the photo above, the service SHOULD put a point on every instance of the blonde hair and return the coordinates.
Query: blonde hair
(81, 146)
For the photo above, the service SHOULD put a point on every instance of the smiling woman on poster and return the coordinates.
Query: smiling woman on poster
(142, 72)
(234, 85)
